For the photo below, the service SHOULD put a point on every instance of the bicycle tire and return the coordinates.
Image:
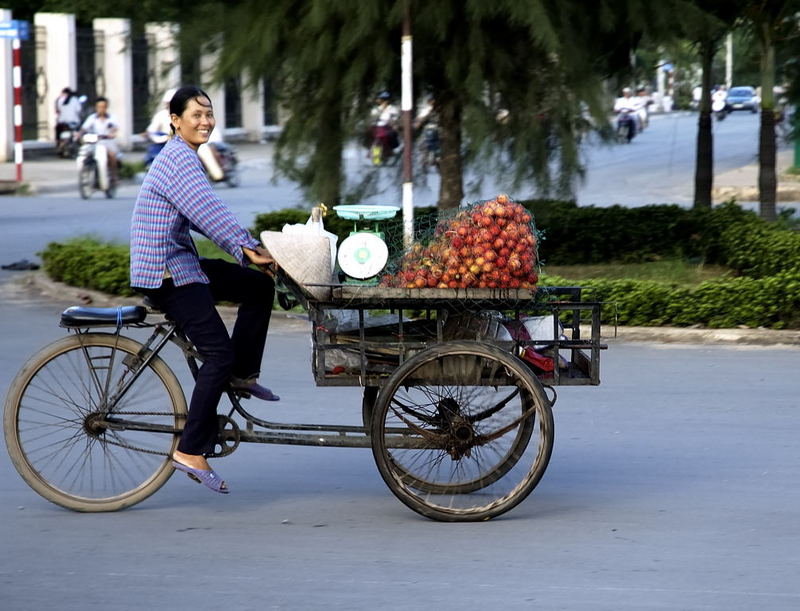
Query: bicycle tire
(433, 470)
(54, 431)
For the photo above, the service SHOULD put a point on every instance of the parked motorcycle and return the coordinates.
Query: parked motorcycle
(221, 162)
(93, 171)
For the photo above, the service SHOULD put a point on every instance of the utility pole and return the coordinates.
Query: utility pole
(406, 104)
(729, 61)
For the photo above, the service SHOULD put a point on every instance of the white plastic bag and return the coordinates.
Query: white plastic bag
(315, 227)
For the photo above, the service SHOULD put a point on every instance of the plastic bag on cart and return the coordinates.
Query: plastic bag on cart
(484, 326)
(314, 227)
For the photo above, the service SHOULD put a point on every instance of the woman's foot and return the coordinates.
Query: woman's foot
(195, 461)
(197, 468)
(250, 387)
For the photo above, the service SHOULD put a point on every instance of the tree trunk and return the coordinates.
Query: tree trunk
(326, 160)
(451, 186)
(704, 163)
(767, 181)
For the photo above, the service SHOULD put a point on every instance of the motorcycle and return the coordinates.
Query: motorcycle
(626, 126)
(220, 162)
(67, 145)
(431, 148)
(383, 144)
(157, 142)
(93, 171)
(719, 108)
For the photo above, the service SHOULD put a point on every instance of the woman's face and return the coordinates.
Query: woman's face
(196, 122)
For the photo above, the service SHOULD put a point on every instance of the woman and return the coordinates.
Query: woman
(176, 197)
(68, 112)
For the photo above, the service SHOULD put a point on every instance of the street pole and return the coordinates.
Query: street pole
(16, 72)
(729, 61)
(406, 104)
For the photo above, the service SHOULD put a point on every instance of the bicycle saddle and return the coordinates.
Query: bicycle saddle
(82, 316)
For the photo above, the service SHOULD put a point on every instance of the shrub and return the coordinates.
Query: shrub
(86, 262)
(773, 301)
(589, 234)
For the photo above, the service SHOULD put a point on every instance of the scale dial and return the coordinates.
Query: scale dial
(362, 255)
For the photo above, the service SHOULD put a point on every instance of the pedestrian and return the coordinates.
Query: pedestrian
(174, 198)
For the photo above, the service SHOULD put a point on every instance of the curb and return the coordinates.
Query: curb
(31, 284)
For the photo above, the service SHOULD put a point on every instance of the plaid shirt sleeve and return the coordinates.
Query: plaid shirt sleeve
(176, 197)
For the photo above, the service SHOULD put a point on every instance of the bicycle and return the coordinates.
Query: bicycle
(460, 430)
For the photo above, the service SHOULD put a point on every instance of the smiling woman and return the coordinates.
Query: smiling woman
(192, 116)
(174, 199)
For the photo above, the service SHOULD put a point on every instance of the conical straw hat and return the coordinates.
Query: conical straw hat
(306, 259)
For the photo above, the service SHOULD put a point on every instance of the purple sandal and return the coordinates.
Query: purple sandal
(209, 479)
(247, 389)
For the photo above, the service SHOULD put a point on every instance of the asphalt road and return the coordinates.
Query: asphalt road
(673, 485)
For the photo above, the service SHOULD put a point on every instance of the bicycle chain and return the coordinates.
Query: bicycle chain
(132, 447)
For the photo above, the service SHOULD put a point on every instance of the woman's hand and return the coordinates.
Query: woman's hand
(260, 257)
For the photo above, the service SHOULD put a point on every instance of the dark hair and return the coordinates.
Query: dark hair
(181, 99)
(101, 99)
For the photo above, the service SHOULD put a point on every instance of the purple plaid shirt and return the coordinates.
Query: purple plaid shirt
(176, 197)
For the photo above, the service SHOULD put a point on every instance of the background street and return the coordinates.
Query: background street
(673, 485)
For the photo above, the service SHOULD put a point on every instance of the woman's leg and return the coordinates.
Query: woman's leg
(192, 307)
(255, 292)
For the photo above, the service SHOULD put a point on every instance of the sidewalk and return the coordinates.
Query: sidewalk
(44, 172)
(742, 183)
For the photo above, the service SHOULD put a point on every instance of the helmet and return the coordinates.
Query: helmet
(384, 95)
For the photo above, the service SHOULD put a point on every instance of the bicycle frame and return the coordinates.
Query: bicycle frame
(279, 433)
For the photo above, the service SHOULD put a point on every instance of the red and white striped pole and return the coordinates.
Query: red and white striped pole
(17, 81)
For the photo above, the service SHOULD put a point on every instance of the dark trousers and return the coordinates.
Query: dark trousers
(239, 354)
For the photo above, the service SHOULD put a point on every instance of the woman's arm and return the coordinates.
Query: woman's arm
(188, 189)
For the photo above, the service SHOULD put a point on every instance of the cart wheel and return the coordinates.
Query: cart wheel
(368, 405)
(452, 427)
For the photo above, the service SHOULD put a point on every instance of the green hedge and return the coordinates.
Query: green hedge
(772, 302)
(582, 235)
(88, 263)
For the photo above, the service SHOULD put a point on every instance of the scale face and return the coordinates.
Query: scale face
(362, 255)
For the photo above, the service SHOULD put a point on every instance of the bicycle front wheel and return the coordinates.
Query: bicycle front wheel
(88, 428)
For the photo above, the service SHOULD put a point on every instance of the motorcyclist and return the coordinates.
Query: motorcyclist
(103, 124)
(68, 112)
(158, 130)
(719, 99)
(428, 120)
(383, 121)
(644, 101)
(627, 107)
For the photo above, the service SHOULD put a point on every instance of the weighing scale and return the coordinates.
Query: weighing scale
(363, 254)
